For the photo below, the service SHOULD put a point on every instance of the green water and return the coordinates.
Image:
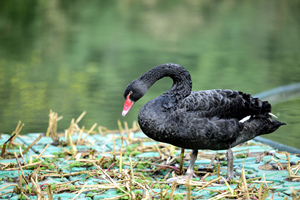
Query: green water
(75, 56)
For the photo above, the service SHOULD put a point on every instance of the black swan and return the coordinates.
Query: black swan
(210, 119)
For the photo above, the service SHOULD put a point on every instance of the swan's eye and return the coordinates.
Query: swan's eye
(128, 96)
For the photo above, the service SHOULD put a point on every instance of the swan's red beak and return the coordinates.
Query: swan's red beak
(127, 105)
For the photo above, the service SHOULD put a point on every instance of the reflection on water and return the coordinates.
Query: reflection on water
(76, 56)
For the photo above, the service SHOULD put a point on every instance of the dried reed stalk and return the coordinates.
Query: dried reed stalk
(91, 129)
(264, 195)
(260, 190)
(24, 166)
(127, 131)
(49, 192)
(73, 147)
(79, 193)
(158, 150)
(16, 132)
(80, 117)
(213, 159)
(188, 189)
(222, 196)
(20, 149)
(114, 147)
(103, 130)
(245, 188)
(20, 168)
(228, 186)
(33, 143)
(52, 126)
(20, 181)
(43, 151)
(209, 183)
(16, 185)
(174, 184)
(4, 145)
(218, 170)
(147, 194)
(79, 136)
(289, 166)
(24, 195)
(121, 154)
(279, 164)
(37, 189)
(120, 128)
(181, 161)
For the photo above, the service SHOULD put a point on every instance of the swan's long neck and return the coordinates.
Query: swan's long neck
(155, 112)
(182, 83)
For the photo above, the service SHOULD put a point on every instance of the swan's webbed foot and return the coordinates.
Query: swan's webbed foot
(190, 171)
(186, 177)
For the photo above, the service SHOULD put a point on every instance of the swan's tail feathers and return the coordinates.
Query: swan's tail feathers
(257, 107)
(261, 108)
(272, 115)
(245, 119)
(269, 125)
(256, 126)
(266, 107)
(249, 117)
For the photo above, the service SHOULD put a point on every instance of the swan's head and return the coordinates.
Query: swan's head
(134, 91)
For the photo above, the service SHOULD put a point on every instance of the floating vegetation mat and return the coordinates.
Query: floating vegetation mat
(97, 163)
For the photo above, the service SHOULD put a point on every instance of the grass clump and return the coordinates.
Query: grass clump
(79, 164)
(242, 155)
(59, 154)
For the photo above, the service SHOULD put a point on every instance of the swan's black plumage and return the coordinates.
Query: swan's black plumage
(208, 119)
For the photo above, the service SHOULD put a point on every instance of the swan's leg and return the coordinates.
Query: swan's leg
(190, 171)
(229, 156)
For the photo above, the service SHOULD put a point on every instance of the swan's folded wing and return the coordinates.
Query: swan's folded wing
(219, 103)
(187, 131)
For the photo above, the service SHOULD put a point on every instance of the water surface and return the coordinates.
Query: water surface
(80, 55)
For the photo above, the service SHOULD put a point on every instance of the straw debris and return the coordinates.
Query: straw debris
(82, 168)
